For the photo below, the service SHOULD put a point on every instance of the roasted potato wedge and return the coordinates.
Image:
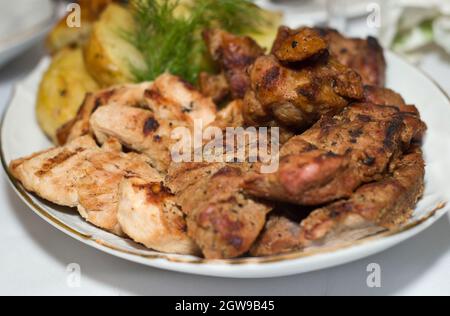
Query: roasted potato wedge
(266, 36)
(62, 90)
(109, 57)
(62, 35)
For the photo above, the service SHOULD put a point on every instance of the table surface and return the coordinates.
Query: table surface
(35, 256)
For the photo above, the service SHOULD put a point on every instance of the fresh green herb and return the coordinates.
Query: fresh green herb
(169, 32)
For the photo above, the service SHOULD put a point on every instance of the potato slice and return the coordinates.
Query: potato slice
(62, 35)
(62, 90)
(109, 57)
(266, 36)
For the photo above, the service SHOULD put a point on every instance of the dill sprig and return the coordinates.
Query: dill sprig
(171, 42)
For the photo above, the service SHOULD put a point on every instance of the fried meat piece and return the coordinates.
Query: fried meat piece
(82, 175)
(233, 54)
(167, 93)
(385, 204)
(365, 56)
(297, 97)
(221, 219)
(230, 116)
(126, 95)
(293, 46)
(148, 214)
(338, 154)
(214, 86)
(167, 105)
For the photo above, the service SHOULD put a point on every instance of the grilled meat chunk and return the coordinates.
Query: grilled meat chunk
(221, 219)
(149, 215)
(297, 97)
(338, 154)
(82, 175)
(293, 46)
(167, 94)
(230, 116)
(385, 96)
(214, 86)
(233, 54)
(167, 105)
(381, 205)
(126, 95)
(364, 56)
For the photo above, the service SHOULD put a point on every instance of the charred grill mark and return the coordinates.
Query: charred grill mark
(310, 91)
(235, 241)
(150, 126)
(227, 171)
(374, 44)
(52, 163)
(369, 161)
(356, 133)
(155, 95)
(393, 129)
(157, 139)
(187, 85)
(155, 192)
(310, 148)
(271, 76)
(364, 118)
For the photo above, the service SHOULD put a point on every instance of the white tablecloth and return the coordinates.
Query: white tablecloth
(34, 256)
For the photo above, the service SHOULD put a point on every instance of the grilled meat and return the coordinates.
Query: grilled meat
(221, 219)
(338, 154)
(126, 95)
(167, 105)
(230, 116)
(148, 214)
(293, 46)
(214, 86)
(364, 56)
(296, 97)
(233, 54)
(381, 205)
(169, 96)
(82, 175)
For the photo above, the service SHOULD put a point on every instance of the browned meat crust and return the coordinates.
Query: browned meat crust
(126, 95)
(214, 86)
(387, 203)
(221, 219)
(364, 56)
(297, 45)
(233, 54)
(230, 116)
(338, 154)
(297, 98)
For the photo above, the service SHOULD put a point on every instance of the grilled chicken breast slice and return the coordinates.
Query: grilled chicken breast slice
(84, 176)
(169, 104)
(149, 215)
(125, 95)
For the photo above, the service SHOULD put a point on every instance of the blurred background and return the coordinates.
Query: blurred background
(413, 28)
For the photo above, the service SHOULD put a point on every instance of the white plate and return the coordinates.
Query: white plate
(22, 24)
(20, 136)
